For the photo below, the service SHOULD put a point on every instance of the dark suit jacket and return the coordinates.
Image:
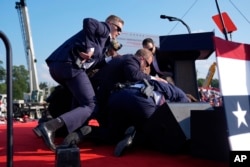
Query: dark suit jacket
(171, 92)
(120, 69)
(165, 64)
(93, 35)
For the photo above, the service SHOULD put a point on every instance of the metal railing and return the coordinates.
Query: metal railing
(9, 99)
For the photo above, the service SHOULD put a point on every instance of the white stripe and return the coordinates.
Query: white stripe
(157, 97)
(239, 142)
(234, 76)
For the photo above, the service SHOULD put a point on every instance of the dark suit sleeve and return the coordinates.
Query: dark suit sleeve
(93, 29)
(170, 91)
(132, 71)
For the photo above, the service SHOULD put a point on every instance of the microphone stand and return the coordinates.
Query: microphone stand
(177, 19)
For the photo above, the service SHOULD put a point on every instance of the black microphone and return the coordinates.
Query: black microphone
(164, 16)
(170, 18)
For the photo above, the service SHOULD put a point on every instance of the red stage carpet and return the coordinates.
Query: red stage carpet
(30, 151)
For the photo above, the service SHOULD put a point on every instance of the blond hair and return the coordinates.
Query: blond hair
(113, 18)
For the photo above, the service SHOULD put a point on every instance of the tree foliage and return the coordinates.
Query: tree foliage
(214, 82)
(2, 72)
(20, 81)
(43, 85)
(200, 82)
(2, 78)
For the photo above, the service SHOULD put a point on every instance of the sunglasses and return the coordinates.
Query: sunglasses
(151, 49)
(117, 27)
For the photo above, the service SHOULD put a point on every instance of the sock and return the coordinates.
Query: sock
(54, 124)
(77, 136)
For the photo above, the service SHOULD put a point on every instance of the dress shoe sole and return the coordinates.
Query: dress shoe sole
(126, 142)
(37, 132)
(122, 145)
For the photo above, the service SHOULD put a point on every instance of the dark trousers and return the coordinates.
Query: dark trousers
(128, 107)
(77, 81)
(156, 126)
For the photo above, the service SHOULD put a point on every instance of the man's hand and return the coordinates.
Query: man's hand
(86, 56)
(160, 79)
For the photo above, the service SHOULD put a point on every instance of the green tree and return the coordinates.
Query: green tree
(2, 78)
(2, 72)
(3, 88)
(43, 85)
(20, 81)
(214, 82)
(200, 82)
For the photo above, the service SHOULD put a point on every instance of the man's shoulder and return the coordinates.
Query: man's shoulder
(94, 21)
(129, 56)
(90, 19)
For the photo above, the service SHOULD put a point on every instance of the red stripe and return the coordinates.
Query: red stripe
(232, 50)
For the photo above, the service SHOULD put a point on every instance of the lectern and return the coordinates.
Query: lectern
(184, 50)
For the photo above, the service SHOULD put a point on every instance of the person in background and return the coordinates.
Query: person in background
(69, 65)
(113, 49)
(165, 71)
(110, 53)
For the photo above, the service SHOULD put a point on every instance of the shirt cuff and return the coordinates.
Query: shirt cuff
(152, 77)
(90, 49)
(108, 59)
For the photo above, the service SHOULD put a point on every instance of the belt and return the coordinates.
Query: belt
(137, 86)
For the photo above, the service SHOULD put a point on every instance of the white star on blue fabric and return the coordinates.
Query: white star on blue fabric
(240, 114)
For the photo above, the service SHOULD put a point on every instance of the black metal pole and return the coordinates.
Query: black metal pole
(189, 31)
(9, 100)
(222, 21)
(170, 18)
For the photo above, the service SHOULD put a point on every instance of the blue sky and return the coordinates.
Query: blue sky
(53, 21)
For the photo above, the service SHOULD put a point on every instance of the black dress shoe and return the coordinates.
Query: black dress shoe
(77, 136)
(48, 136)
(40, 121)
(126, 142)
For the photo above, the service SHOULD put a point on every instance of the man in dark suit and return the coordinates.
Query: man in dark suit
(157, 68)
(69, 64)
(134, 105)
(122, 69)
(131, 107)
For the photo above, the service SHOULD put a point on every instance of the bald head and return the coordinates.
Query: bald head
(145, 53)
(146, 58)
